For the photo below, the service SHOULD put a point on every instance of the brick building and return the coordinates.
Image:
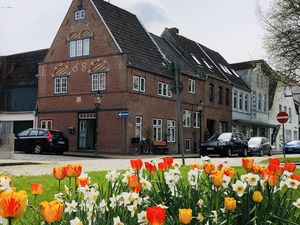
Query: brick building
(102, 48)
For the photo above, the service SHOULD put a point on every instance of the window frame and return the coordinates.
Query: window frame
(188, 143)
(157, 129)
(139, 125)
(171, 131)
(192, 86)
(235, 99)
(220, 100)
(197, 122)
(79, 47)
(80, 15)
(211, 92)
(99, 81)
(46, 124)
(186, 118)
(61, 85)
(164, 90)
(241, 101)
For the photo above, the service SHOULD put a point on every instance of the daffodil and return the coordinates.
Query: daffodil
(71, 207)
(200, 203)
(239, 187)
(253, 179)
(132, 208)
(117, 221)
(103, 206)
(293, 184)
(76, 221)
(142, 218)
(200, 217)
(297, 203)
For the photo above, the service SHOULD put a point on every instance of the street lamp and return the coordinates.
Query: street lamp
(98, 98)
(200, 109)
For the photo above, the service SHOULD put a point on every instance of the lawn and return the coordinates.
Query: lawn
(287, 159)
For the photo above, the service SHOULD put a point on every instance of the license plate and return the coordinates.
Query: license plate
(61, 142)
(210, 149)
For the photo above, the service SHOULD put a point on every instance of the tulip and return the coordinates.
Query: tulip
(275, 161)
(162, 166)
(220, 166)
(291, 167)
(52, 212)
(230, 204)
(156, 215)
(256, 169)
(195, 166)
(247, 163)
(295, 177)
(272, 180)
(69, 170)
(208, 168)
(273, 168)
(151, 168)
(36, 189)
(136, 164)
(168, 160)
(59, 172)
(13, 204)
(257, 196)
(217, 178)
(77, 170)
(185, 216)
(82, 181)
(229, 171)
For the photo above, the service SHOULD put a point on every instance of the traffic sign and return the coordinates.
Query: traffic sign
(282, 117)
(123, 114)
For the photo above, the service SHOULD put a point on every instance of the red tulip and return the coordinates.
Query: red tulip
(275, 161)
(168, 160)
(151, 168)
(162, 166)
(36, 189)
(156, 215)
(291, 167)
(136, 164)
(295, 177)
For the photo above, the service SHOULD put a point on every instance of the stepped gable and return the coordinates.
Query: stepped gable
(132, 38)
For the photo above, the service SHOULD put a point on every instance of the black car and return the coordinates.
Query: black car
(41, 140)
(225, 144)
(259, 145)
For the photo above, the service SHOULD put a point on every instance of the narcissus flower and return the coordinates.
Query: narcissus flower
(185, 216)
(230, 204)
(151, 168)
(168, 160)
(136, 164)
(37, 189)
(52, 211)
(5, 183)
(257, 196)
(247, 163)
(156, 215)
(297, 203)
(13, 204)
(59, 172)
(239, 187)
(208, 168)
(291, 167)
(293, 184)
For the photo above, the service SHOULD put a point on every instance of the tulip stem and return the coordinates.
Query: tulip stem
(35, 196)
(69, 182)
(58, 186)
(10, 221)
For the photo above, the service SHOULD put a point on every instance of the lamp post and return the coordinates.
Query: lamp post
(98, 98)
(200, 109)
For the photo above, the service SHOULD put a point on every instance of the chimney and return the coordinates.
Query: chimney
(79, 4)
(174, 30)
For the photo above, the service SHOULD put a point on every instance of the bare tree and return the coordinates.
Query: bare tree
(282, 41)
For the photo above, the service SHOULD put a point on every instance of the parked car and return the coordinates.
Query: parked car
(292, 147)
(259, 145)
(225, 144)
(41, 140)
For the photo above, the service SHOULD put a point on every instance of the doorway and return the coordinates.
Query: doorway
(86, 131)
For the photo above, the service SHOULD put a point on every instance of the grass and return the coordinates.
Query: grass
(288, 159)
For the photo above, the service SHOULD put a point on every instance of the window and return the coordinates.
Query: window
(98, 81)
(296, 135)
(235, 96)
(265, 103)
(46, 124)
(171, 130)
(80, 47)
(164, 90)
(192, 88)
(33, 133)
(188, 144)
(195, 58)
(60, 85)
(157, 129)
(285, 109)
(206, 63)
(211, 92)
(227, 96)
(288, 135)
(197, 120)
(223, 126)
(138, 126)
(241, 101)
(290, 115)
(186, 116)
(79, 15)
(257, 80)
(138, 84)
(259, 102)
(246, 102)
(220, 95)
(280, 108)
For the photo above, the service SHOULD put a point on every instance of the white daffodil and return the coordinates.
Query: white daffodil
(239, 187)
(293, 184)
(92, 195)
(127, 198)
(59, 196)
(76, 221)
(71, 207)
(3, 221)
(132, 209)
(103, 206)
(226, 181)
(127, 174)
(117, 221)
(193, 177)
(136, 199)
(200, 217)
(297, 203)
(67, 190)
(200, 203)
(142, 218)
(146, 185)
(5, 183)
(112, 176)
(285, 175)
(113, 201)
(245, 177)
(253, 179)
(214, 216)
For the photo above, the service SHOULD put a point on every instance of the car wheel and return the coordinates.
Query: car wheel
(261, 152)
(270, 152)
(229, 152)
(37, 149)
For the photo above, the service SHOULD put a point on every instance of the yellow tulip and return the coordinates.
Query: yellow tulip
(257, 197)
(230, 204)
(217, 178)
(185, 216)
(52, 212)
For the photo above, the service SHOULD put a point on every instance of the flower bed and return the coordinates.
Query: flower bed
(160, 194)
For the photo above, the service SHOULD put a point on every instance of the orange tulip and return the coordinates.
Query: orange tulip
(256, 169)
(156, 215)
(291, 167)
(168, 160)
(73, 170)
(13, 204)
(151, 168)
(185, 216)
(136, 164)
(295, 177)
(217, 178)
(247, 163)
(272, 180)
(230, 204)
(275, 161)
(82, 181)
(162, 166)
(220, 166)
(52, 212)
(77, 170)
(195, 166)
(229, 171)
(37, 189)
(59, 172)
(208, 167)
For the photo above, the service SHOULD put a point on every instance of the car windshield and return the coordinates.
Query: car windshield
(294, 143)
(254, 141)
(221, 137)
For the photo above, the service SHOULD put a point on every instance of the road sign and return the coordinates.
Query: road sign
(123, 114)
(282, 117)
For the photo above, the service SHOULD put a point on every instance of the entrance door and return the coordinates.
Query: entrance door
(86, 139)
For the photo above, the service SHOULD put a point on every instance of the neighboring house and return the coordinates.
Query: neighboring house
(18, 91)
(261, 96)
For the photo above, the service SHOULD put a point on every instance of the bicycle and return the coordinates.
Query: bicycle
(141, 146)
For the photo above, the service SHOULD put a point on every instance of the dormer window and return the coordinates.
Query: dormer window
(195, 58)
(80, 15)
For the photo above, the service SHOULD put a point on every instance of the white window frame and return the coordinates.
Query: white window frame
(171, 126)
(79, 15)
(197, 120)
(192, 86)
(157, 129)
(164, 90)
(46, 124)
(241, 101)
(60, 85)
(187, 144)
(139, 127)
(80, 47)
(246, 102)
(138, 83)
(98, 81)
(235, 99)
(186, 118)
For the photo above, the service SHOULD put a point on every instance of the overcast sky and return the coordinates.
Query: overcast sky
(231, 27)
